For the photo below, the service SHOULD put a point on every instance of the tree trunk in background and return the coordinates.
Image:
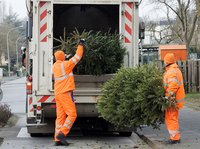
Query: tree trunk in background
(198, 25)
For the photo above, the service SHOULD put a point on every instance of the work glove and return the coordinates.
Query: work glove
(82, 41)
(165, 98)
(67, 56)
(170, 97)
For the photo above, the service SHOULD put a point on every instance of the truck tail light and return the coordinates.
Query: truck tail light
(39, 108)
(29, 78)
(29, 88)
(53, 106)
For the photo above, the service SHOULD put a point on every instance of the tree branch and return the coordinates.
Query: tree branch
(168, 18)
(186, 23)
(187, 6)
(182, 15)
(166, 4)
(192, 29)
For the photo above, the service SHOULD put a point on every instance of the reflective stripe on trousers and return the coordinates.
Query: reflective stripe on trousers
(173, 133)
(68, 124)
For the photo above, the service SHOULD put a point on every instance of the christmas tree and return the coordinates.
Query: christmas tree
(134, 97)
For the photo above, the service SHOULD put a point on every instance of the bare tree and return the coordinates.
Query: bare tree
(2, 10)
(198, 7)
(197, 35)
(161, 33)
(10, 22)
(185, 13)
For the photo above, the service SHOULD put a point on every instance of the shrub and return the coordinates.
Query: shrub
(5, 114)
(103, 53)
(133, 97)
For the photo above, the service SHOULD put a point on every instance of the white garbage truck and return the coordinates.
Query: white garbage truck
(47, 19)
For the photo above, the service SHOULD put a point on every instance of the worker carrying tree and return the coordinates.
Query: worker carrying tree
(64, 86)
(174, 88)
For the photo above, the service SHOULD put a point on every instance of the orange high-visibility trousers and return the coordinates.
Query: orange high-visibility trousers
(171, 121)
(66, 113)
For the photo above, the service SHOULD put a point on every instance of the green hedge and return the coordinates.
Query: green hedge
(5, 114)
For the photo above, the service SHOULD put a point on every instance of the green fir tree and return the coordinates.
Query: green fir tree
(134, 97)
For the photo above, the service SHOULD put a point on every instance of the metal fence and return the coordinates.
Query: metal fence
(191, 74)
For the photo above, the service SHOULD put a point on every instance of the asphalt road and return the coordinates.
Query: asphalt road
(16, 136)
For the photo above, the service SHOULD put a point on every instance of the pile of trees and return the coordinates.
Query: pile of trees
(103, 52)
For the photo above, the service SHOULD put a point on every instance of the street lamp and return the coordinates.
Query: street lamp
(17, 61)
(8, 51)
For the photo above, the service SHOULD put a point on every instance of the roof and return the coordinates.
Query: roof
(172, 47)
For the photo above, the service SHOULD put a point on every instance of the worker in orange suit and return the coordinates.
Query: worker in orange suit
(63, 88)
(174, 88)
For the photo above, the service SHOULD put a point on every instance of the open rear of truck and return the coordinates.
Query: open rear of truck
(48, 20)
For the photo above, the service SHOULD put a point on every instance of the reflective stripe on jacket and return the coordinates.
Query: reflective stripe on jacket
(173, 84)
(63, 75)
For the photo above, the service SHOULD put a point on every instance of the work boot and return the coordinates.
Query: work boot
(62, 139)
(57, 143)
(173, 141)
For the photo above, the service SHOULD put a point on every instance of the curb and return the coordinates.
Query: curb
(151, 143)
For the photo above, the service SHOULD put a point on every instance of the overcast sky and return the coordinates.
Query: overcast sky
(19, 7)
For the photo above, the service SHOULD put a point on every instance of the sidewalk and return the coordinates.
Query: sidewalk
(189, 127)
(7, 79)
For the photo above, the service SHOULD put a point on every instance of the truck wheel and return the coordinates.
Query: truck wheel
(36, 135)
(125, 134)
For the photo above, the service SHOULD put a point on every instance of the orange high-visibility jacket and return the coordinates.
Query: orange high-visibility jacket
(173, 84)
(62, 70)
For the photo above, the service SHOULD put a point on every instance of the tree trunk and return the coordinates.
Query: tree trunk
(198, 24)
(188, 49)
